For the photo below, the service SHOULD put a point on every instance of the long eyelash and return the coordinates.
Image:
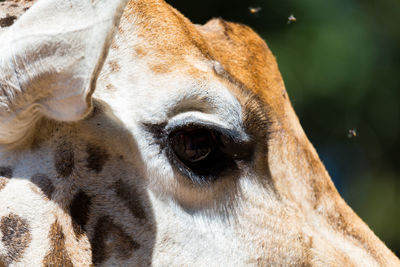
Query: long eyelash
(256, 118)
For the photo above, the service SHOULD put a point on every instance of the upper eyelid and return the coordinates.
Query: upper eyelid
(194, 117)
(160, 132)
(193, 120)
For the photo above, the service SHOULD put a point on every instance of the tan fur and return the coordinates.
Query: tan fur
(58, 255)
(103, 198)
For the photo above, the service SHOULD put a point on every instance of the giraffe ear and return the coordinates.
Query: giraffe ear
(50, 59)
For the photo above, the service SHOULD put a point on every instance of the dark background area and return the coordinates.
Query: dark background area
(340, 62)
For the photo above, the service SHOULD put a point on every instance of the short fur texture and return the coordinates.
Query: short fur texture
(86, 175)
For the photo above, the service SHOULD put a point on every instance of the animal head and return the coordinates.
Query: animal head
(190, 127)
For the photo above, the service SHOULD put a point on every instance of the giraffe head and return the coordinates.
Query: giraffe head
(200, 117)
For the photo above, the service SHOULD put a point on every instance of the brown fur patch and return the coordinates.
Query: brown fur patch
(321, 187)
(120, 30)
(2, 262)
(115, 67)
(140, 52)
(16, 236)
(114, 45)
(58, 255)
(3, 183)
(43, 182)
(307, 245)
(109, 238)
(130, 196)
(160, 68)
(246, 57)
(7, 21)
(110, 87)
(80, 210)
(97, 157)
(64, 159)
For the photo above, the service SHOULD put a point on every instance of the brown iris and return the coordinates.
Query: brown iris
(193, 145)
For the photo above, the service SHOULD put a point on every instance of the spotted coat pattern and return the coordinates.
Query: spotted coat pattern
(15, 237)
(81, 165)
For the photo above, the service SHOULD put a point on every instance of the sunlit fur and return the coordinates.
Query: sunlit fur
(91, 181)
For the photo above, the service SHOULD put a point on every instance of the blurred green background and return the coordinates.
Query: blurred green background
(340, 62)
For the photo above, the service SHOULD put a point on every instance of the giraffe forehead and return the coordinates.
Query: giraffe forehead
(227, 53)
(139, 94)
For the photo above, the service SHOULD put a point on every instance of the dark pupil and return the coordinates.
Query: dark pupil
(192, 146)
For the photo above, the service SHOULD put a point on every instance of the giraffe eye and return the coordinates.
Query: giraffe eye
(193, 146)
(203, 153)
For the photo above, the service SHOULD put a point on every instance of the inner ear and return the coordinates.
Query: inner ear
(50, 59)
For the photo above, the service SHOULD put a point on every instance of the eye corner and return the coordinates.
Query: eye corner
(156, 129)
